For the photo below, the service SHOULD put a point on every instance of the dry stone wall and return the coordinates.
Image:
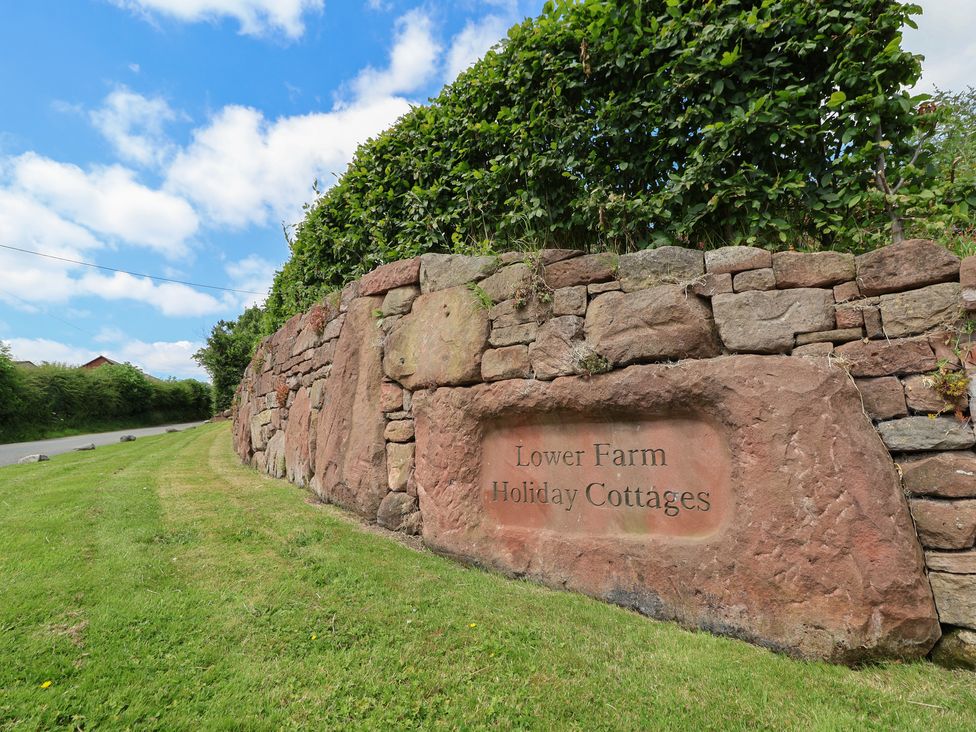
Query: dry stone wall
(398, 397)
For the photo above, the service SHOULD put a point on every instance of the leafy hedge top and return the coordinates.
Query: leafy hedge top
(626, 123)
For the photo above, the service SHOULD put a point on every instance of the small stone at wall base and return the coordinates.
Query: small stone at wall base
(757, 279)
(557, 348)
(400, 430)
(955, 598)
(952, 562)
(912, 263)
(569, 301)
(917, 311)
(912, 434)
(945, 524)
(398, 512)
(737, 259)
(581, 270)
(844, 335)
(883, 397)
(944, 474)
(511, 362)
(444, 271)
(812, 269)
(399, 464)
(956, 650)
(666, 265)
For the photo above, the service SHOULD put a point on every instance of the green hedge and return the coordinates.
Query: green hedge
(53, 399)
(622, 124)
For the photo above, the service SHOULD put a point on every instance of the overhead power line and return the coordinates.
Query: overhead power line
(125, 271)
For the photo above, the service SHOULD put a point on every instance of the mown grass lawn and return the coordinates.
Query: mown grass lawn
(159, 585)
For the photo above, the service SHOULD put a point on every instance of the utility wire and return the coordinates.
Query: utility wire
(45, 312)
(124, 271)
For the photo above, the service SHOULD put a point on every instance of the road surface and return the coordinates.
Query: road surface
(10, 454)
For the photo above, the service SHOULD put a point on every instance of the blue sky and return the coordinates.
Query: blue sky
(173, 137)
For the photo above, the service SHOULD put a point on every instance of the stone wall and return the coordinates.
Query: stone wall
(365, 398)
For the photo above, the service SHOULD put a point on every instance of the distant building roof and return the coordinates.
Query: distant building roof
(99, 361)
(26, 364)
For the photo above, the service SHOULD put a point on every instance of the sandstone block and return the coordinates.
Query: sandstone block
(852, 580)
(440, 342)
(403, 273)
(841, 335)
(957, 649)
(298, 451)
(658, 323)
(883, 397)
(737, 259)
(445, 271)
(955, 596)
(846, 291)
(872, 323)
(918, 434)
(569, 301)
(581, 270)
(944, 475)
(968, 297)
(952, 562)
(888, 358)
(813, 350)
(551, 256)
(848, 316)
(506, 282)
(812, 269)
(600, 287)
(967, 272)
(712, 284)
(660, 266)
(398, 300)
(917, 311)
(513, 334)
(913, 263)
(756, 279)
(398, 512)
(557, 348)
(350, 451)
(391, 397)
(511, 362)
(399, 430)
(400, 463)
(921, 397)
(945, 524)
(275, 455)
(515, 312)
(766, 322)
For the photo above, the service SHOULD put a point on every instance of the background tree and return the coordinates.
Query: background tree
(227, 353)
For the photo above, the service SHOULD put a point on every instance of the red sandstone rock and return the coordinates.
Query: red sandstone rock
(511, 362)
(389, 276)
(846, 291)
(557, 349)
(444, 271)
(662, 322)
(398, 512)
(712, 284)
(667, 265)
(581, 270)
(350, 454)
(569, 301)
(917, 311)
(440, 342)
(883, 398)
(921, 397)
(849, 316)
(913, 263)
(400, 463)
(299, 449)
(737, 259)
(944, 475)
(507, 282)
(399, 430)
(945, 524)
(755, 279)
(766, 322)
(812, 269)
(391, 397)
(887, 358)
(810, 548)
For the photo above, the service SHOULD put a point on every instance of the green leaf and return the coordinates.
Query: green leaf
(836, 99)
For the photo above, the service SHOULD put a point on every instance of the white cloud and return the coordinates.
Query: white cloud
(473, 42)
(413, 60)
(252, 273)
(256, 17)
(945, 37)
(108, 334)
(243, 169)
(109, 201)
(169, 298)
(160, 358)
(134, 125)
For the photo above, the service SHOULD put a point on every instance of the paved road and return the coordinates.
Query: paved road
(9, 454)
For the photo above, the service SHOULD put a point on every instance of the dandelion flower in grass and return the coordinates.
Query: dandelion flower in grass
(472, 625)
(46, 684)
(314, 636)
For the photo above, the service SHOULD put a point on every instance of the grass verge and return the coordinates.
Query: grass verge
(160, 585)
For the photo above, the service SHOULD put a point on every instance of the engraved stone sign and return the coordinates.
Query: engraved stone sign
(663, 477)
